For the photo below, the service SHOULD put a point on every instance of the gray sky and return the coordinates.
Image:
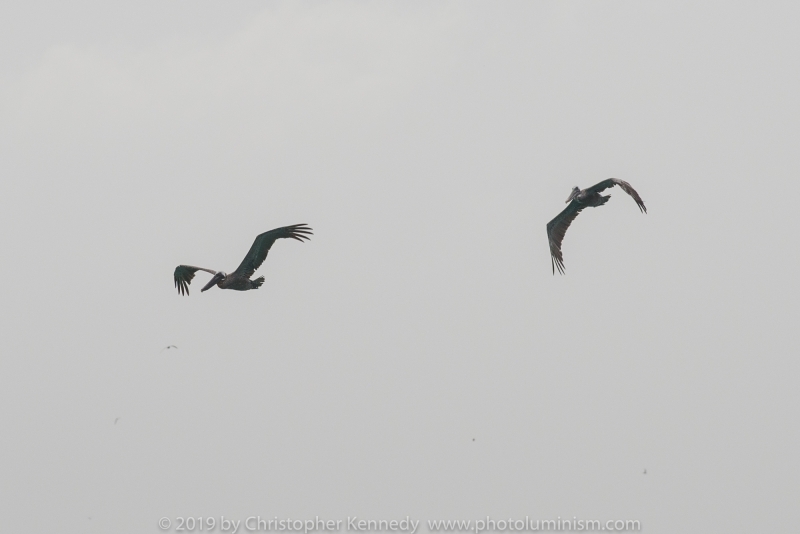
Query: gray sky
(427, 144)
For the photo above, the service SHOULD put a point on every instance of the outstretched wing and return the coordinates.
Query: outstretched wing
(611, 182)
(258, 252)
(556, 230)
(184, 274)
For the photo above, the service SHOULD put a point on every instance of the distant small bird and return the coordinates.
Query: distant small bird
(169, 347)
(240, 278)
(580, 199)
(645, 472)
(473, 439)
(115, 420)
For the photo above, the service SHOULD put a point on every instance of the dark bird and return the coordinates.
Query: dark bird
(240, 278)
(578, 200)
(168, 347)
(115, 420)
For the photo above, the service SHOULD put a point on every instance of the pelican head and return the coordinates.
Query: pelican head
(575, 191)
(216, 279)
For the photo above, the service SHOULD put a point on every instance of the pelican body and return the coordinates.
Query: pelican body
(239, 279)
(578, 200)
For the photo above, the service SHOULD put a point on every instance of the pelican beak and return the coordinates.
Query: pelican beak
(214, 280)
(572, 195)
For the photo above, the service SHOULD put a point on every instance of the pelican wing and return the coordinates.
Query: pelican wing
(258, 252)
(611, 182)
(556, 230)
(184, 274)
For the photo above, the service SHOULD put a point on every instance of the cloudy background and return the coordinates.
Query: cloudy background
(417, 356)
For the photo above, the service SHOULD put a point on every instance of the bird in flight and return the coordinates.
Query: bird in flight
(578, 200)
(240, 278)
(115, 420)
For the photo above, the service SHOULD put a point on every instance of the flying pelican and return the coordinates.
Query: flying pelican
(579, 199)
(240, 278)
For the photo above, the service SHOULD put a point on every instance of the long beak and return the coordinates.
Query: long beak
(211, 283)
(571, 196)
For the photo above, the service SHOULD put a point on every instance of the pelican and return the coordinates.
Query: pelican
(579, 199)
(240, 278)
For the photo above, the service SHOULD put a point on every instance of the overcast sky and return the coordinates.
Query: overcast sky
(417, 357)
